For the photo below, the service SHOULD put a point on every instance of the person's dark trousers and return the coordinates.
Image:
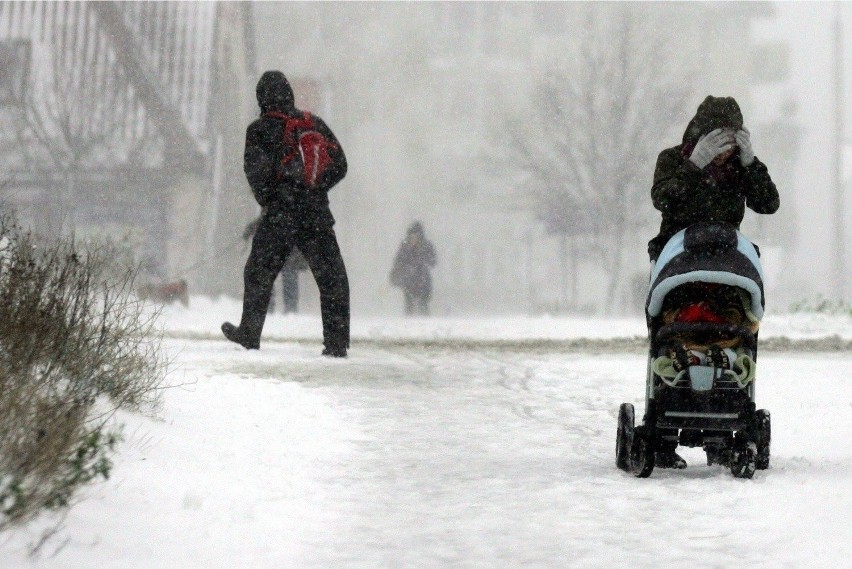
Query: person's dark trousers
(290, 286)
(290, 290)
(272, 243)
(422, 304)
(416, 304)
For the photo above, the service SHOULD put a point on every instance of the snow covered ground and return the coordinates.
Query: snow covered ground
(205, 315)
(427, 455)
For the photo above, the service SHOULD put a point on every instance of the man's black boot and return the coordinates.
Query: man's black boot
(234, 334)
(334, 352)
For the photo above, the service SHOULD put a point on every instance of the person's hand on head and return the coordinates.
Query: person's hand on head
(711, 145)
(743, 138)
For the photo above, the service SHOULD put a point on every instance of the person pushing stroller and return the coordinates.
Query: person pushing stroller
(710, 177)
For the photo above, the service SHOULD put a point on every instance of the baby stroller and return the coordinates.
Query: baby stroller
(703, 311)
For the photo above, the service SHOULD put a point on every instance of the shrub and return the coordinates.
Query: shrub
(821, 305)
(75, 346)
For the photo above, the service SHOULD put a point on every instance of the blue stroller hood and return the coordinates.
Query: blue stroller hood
(709, 252)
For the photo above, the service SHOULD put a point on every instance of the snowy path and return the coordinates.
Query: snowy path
(408, 457)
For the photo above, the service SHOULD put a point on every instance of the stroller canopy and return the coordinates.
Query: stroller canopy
(710, 252)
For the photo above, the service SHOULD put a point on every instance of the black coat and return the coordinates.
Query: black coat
(411, 267)
(265, 148)
(686, 194)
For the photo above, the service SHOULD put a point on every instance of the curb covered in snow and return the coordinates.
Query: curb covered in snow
(634, 344)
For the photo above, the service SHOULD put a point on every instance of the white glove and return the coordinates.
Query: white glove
(710, 146)
(743, 138)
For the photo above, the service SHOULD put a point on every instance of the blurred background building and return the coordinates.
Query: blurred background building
(436, 104)
(120, 120)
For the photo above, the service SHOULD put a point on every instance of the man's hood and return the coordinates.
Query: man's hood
(713, 113)
(274, 93)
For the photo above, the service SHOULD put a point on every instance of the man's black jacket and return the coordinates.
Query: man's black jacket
(265, 148)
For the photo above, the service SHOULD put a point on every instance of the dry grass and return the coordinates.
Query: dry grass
(75, 345)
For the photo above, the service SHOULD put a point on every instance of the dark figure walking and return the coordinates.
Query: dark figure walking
(292, 159)
(294, 264)
(410, 271)
(711, 176)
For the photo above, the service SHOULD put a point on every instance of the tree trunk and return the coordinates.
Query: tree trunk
(574, 274)
(563, 270)
(67, 224)
(615, 267)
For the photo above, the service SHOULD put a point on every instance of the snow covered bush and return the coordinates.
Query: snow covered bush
(75, 346)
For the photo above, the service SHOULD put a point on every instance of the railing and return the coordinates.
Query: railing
(128, 65)
(174, 42)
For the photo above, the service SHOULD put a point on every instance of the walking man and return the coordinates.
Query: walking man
(291, 161)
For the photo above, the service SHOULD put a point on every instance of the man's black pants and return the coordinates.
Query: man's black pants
(272, 243)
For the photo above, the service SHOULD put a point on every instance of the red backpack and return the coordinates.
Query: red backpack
(302, 139)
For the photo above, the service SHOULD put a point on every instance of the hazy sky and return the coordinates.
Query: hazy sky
(808, 28)
(805, 26)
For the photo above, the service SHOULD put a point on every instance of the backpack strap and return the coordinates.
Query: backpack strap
(291, 125)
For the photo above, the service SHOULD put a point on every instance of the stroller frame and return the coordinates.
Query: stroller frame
(704, 405)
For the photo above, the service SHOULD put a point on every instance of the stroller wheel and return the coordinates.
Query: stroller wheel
(764, 437)
(624, 436)
(743, 458)
(642, 452)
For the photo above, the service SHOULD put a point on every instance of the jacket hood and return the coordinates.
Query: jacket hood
(713, 113)
(274, 93)
(416, 227)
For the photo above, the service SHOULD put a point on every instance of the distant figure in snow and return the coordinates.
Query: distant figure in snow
(711, 176)
(411, 267)
(291, 161)
(294, 264)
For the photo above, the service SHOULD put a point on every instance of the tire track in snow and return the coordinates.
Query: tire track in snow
(471, 456)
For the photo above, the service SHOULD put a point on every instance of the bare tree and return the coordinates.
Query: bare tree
(593, 128)
(70, 128)
(73, 121)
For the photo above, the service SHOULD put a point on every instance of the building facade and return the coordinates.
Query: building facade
(115, 117)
